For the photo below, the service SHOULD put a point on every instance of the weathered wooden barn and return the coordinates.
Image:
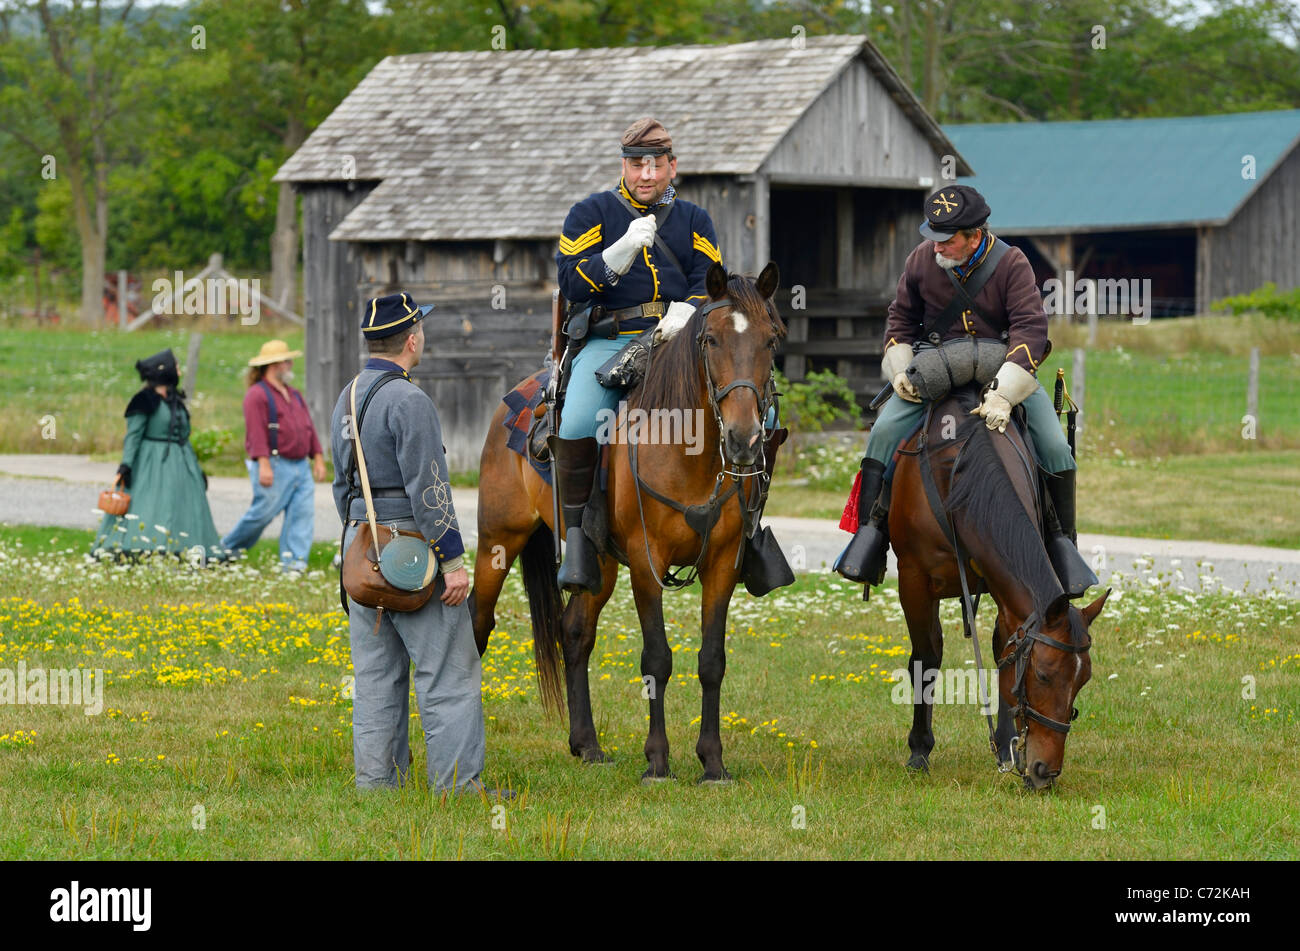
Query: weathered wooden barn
(1203, 206)
(448, 175)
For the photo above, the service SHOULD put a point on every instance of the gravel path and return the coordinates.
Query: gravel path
(63, 490)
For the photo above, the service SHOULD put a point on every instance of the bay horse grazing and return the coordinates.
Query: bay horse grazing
(718, 368)
(987, 484)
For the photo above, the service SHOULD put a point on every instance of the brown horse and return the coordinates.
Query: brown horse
(719, 368)
(987, 483)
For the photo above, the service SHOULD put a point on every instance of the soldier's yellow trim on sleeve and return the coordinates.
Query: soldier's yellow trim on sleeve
(697, 297)
(893, 342)
(706, 247)
(578, 247)
(1028, 355)
(578, 267)
(584, 240)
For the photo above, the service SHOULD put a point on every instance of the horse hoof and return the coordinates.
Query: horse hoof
(723, 780)
(650, 779)
(596, 757)
(918, 763)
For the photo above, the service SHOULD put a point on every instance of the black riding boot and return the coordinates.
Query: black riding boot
(1062, 541)
(865, 556)
(764, 566)
(575, 471)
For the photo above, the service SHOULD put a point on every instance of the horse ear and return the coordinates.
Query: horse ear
(1091, 611)
(1058, 612)
(715, 282)
(769, 280)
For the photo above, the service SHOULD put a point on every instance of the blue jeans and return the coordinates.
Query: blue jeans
(291, 492)
(898, 417)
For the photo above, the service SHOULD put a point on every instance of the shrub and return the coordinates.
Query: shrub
(1265, 300)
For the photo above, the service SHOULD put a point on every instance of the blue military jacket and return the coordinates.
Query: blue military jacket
(402, 440)
(599, 220)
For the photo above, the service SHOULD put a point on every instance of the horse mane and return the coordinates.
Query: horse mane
(672, 381)
(997, 516)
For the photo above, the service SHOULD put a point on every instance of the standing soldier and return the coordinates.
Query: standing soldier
(631, 259)
(407, 468)
(999, 301)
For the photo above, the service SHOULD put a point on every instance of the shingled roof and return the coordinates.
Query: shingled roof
(455, 139)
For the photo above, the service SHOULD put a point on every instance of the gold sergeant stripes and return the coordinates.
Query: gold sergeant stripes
(706, 247)
(569, 246)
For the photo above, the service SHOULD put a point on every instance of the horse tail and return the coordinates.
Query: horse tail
(545, 604)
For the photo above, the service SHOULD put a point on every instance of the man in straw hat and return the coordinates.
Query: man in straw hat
(279, 439)
(632, 261)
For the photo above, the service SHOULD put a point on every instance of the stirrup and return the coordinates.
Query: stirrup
(765, 567)
(865, 556)
(581, 568)
(1074, 573)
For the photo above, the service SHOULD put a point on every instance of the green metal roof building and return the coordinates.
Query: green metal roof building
(1204, 206)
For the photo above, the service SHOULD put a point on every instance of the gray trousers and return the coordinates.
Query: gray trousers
(440, 641)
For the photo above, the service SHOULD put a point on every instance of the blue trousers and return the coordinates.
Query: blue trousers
(448, 677)
(898, 417)
(291, 492)
(585, 397)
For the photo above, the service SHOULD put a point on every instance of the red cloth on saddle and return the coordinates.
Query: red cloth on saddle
(850, 519)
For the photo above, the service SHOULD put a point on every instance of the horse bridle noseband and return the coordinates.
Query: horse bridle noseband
(1021, 644)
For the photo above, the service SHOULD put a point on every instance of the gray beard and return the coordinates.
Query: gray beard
(946, 263)
(286, 377)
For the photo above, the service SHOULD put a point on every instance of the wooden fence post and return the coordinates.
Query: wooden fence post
(192, 363)
(1252, 394)
(122, 316)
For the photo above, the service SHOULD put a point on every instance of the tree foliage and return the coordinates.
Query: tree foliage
(168, 122)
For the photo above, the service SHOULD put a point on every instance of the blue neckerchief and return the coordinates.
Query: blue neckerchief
(379, 363)
(963, 270)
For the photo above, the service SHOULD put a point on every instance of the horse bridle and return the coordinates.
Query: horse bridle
(766, 398)
(1021, 647)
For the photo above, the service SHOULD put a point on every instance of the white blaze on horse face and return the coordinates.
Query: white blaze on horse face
(739, 321)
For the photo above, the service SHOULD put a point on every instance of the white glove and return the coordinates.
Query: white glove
(1014, 385)
(640, 234)
(893, 367)
(679, 312)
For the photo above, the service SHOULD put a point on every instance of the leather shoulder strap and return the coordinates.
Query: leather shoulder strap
(272, 419)
(967, 291)
(660, 220)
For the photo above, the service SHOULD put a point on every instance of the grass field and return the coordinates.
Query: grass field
(83, 379)
(226, 731)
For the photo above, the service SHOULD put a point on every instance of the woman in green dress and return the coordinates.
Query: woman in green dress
(169, 504)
